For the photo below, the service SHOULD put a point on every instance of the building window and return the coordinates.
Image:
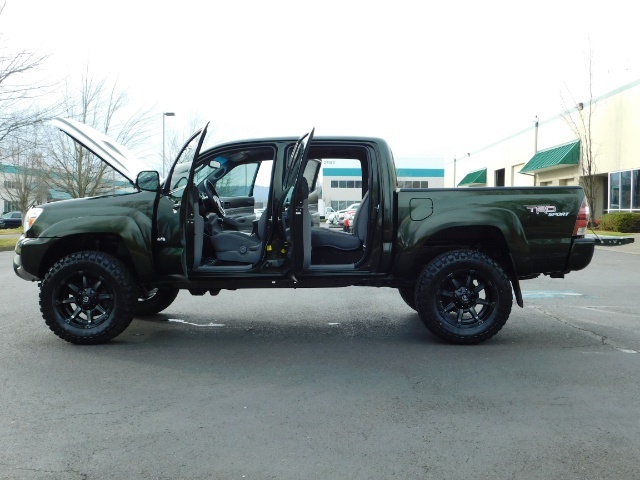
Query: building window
(614, 191)
(635, 186)
(413, 184)
(346, 184)
(624, 190)
(499, 178)
(342, 204)
(9, 206)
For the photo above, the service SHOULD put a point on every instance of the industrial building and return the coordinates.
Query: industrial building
(553, 152)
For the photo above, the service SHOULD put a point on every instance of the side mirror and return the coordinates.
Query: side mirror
(148, 181)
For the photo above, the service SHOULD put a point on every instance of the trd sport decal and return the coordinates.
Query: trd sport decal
(548, 210)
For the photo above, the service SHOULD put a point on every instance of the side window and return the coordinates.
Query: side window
(264, 174)
(238, 182)
(311, 173)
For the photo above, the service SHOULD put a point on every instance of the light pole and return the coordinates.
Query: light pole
(164, 114)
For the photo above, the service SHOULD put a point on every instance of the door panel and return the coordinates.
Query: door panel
(190, 220)
(298, 211)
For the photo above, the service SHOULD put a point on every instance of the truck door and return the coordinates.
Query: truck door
(168, 226)
(294, 210)
(180, 194)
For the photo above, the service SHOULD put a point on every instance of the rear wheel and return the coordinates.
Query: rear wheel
(155, 300)
(88, 297)
(464, 297)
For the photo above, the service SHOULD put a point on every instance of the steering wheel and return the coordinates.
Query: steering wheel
(214, 198)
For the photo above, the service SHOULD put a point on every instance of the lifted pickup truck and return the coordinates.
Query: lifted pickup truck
(456, 255)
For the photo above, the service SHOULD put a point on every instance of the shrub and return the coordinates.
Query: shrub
(624, 222)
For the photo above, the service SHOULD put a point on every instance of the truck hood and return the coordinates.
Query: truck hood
(108, 150)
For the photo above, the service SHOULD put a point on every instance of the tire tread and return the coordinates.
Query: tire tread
(429, 276)
(122, 276)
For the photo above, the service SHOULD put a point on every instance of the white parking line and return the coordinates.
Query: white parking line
(175, 320)
(626, 350)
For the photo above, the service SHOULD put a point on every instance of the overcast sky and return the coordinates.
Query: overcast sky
(433, 78)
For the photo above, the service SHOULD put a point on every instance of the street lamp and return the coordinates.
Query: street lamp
(164, 114)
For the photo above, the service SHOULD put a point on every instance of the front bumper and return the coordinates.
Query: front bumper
(18, 265)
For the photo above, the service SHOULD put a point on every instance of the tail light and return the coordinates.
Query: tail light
(580, 227)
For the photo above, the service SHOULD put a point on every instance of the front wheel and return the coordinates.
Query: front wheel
(464, 297)
(155, 300)
(88, 297)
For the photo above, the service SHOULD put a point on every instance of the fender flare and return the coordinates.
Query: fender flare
(134, 232)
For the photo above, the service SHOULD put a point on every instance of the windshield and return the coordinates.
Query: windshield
(207, 169)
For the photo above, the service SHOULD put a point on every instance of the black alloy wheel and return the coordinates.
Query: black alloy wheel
(87, 297)
(464, 297)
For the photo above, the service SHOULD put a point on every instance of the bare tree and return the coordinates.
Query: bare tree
(16, 93)
(177, 138)
(22, 173)
(102, 105)
(579, 117)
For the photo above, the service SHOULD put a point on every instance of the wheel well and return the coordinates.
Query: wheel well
(485, 239)
(106, 243)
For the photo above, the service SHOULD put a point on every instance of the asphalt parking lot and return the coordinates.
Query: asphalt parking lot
(332, 383)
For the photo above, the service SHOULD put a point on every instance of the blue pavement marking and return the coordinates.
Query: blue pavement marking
(549, 294)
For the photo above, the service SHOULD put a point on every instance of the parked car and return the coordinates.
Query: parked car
(351, 210)
(11, 220)
(332, 217)
(347, 221)
(338, 217)
(328, 212)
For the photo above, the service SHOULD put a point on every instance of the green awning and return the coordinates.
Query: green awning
(557, 157)
(477, 177)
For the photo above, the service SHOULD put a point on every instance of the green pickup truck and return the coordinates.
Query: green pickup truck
(456, 256)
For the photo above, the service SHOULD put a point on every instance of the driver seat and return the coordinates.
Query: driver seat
(232, 246)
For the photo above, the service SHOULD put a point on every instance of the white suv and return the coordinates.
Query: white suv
(339, 216)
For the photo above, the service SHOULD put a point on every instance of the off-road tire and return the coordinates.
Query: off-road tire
(155, 300)
(88, 297)
(409, 296)
(464, 297)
